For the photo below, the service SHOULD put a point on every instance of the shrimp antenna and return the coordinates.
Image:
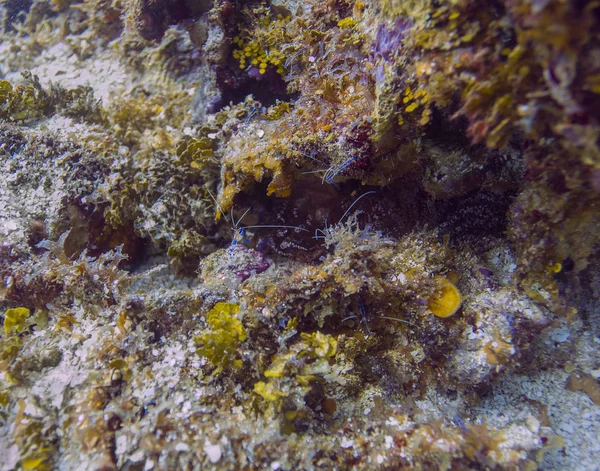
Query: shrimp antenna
(276, 227)
(212, 197)
(236, 224)
(397, 320)
(355, 201)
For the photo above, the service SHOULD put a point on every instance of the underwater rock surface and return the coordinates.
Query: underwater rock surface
(299, 235)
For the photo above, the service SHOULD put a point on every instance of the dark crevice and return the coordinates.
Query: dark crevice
(266, 89)
(15, 10)
(477, 214)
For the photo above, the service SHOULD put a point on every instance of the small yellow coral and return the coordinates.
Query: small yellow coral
(15, 319)
(268, 391)
(347, 22)
(226, 333)
(556, 268)
(33, 463)
(446, 301)
(318, 345)
(277, 369)
(262, 50)
(300, 366)
(412, 107)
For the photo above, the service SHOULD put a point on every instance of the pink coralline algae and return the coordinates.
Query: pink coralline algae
(247, 262)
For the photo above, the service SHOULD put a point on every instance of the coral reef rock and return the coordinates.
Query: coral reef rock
(339, 234)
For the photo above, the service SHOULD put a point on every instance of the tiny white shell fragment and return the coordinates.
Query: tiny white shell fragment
(214, 452)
